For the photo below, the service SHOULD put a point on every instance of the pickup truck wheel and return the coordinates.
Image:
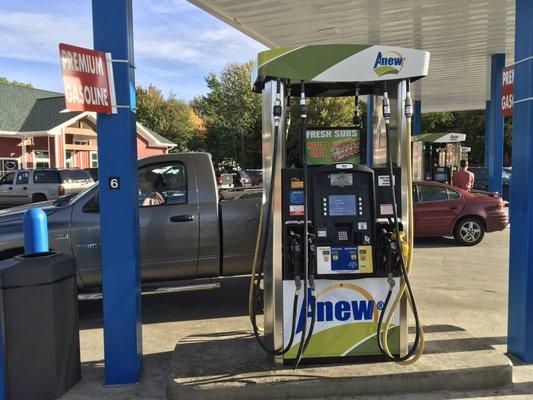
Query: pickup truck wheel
(38, 197)
(469, 231)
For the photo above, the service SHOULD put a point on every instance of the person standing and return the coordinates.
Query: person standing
(463, 178)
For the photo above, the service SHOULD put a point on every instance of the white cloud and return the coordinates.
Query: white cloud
(170, 6)
(35, 36)
(202, 47)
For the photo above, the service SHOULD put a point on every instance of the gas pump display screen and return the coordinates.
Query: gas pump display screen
(341, 179)
(342, 205)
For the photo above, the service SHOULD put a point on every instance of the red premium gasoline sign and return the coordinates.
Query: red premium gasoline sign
(507, 91)
(87, 79)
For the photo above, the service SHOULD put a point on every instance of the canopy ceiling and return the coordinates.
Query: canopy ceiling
(459, 34)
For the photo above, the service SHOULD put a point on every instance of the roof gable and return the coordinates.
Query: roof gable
(24, 109)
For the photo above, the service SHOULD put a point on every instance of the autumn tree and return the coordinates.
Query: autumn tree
(168, 116)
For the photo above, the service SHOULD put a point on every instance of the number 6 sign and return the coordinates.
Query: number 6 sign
(113, 183)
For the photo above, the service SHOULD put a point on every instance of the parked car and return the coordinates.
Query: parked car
(241, 179)
(256, 176)
(481, 179)
(34, 185)
(192, 234)
(442, 210)
(224, 180)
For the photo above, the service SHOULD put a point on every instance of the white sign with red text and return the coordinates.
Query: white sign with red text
(87, 79)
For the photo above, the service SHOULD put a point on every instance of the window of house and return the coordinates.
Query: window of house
(82, 142)
(41, 159)
(94, 159)
(8, 164)
(163, 184)
(69, 159)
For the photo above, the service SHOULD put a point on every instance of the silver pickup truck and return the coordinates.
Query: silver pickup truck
(188, 231)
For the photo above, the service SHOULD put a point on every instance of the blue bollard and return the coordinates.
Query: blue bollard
(35, 231)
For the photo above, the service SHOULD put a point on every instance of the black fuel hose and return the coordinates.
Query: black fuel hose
(266, 227)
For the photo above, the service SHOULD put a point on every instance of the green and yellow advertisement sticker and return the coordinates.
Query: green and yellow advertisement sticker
(333, 145)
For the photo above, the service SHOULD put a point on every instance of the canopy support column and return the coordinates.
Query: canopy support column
(417, 118)
(369, 130)
(495, 137)
(520, 319)
(119, 212)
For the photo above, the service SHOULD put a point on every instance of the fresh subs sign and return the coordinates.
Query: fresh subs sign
(87, 79)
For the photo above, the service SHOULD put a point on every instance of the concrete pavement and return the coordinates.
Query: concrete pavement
(456, 288)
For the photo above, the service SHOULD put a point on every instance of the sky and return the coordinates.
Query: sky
(176, 43)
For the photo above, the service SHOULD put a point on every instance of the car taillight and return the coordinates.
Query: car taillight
(60, 191)
(219, 180)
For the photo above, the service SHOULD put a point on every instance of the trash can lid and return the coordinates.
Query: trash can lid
(36, 269)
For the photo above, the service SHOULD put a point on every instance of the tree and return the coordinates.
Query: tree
(232, 116)
(472, 123)
(170, 117)
(13, 82)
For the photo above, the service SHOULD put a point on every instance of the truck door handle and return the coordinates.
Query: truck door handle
(11, 188)
(182, 218)
(25, 188)
(453, 207)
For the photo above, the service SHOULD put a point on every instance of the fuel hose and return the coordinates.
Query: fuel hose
(404, 250)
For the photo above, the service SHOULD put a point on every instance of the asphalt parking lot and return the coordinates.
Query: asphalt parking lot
(457, 288)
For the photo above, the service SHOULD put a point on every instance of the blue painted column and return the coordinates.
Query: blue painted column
(520, 319)
(495, 138)
(369, 130)
(119, 213)
(487, 128)
(417, 118)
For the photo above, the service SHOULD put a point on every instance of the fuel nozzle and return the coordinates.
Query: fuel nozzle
(386, 107)
(303, 104)
(312, 260)
(277, 109)
(296, 251)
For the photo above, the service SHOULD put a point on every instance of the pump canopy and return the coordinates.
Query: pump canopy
(332, 69)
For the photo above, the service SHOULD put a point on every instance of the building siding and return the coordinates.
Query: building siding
(10, 148)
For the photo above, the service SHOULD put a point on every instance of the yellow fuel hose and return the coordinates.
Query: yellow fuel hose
(253, 283)
(407, 255)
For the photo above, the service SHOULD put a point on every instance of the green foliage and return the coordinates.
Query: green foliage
(472, 123)
(168, 117)
(12, 82)
(231, 113)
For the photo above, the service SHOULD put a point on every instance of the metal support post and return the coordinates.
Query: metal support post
(119, 213)
(495, 138)
(417, 118)
(369, 130)
(520, 319)
(487, 128)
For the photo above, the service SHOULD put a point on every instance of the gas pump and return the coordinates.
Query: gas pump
(334, 247)
(441, 155)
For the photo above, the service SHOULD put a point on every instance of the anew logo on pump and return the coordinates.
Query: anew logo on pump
(359, 306)
(388, 63)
